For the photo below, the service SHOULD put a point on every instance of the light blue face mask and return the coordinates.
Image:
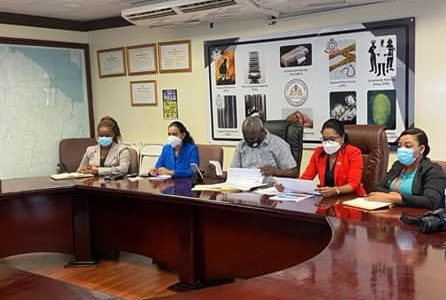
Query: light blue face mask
(105, 141)
(405, 156)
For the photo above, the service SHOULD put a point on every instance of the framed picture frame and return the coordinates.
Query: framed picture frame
(142, 59)
(111, 62)
(175, 56)
(143, 93)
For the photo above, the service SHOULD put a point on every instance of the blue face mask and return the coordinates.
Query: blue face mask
(405, 156)
(105, 141)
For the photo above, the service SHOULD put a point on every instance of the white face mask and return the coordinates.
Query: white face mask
(174, 141)
(331, 147)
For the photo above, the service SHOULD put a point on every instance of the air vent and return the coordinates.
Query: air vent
(205, 5)
(159, 13)
(144, 2)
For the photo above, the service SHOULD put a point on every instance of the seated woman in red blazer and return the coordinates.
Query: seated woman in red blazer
(337, 164)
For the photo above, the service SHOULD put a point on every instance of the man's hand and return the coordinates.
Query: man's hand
(268, 170)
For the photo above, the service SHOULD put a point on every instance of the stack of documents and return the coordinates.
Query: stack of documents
(238, 179)
(72, 175)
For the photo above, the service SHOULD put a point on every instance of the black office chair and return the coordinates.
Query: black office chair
(292, 133)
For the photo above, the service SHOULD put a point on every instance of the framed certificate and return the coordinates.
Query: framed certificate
(175, 56)
(143, 92)
(111, 62)
(141, 59)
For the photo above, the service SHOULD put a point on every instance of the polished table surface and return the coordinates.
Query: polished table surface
(313, 249)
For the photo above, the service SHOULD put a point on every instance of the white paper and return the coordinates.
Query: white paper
(270, 191)
(137, 178)
(294, 197)
(297, 185)
(237, 179)
(72, 175)
(244, 179)
(160, 177)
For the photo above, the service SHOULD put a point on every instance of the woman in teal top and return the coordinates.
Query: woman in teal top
(178, 154)
(403, 183)
(413, 180)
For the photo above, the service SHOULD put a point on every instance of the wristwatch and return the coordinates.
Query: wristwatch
(337, 191)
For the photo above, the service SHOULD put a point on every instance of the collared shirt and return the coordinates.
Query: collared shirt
(272, 151)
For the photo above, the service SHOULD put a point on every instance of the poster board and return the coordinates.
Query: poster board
(360, 74)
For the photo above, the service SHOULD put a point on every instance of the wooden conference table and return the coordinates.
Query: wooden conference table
(313, 249)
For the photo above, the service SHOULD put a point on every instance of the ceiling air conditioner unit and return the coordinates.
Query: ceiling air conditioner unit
(157, 13)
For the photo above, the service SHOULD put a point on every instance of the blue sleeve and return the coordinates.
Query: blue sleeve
(193, 158)
(160, 161)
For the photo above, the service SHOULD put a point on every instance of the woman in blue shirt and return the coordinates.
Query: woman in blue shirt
(414, 180)
(177, 155)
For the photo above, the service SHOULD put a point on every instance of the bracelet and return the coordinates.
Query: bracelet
(337, 191)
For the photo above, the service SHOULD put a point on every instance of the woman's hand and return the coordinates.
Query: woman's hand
(327, 191)
(83, 170)
(93, 170)
(153, 172)
(88, 169)
(393, 197)
(164, 171)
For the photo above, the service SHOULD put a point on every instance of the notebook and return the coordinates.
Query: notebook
(363, 203)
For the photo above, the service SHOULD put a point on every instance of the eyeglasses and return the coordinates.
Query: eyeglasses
(331, 138)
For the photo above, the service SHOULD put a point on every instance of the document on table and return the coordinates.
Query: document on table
(366, 204)
(72, 175)
(297, 185)
(159, 177)
(238, 179)
(294, 197)
(269, 191)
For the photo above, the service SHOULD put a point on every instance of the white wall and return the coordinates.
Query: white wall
(111, 96)
(35, 33)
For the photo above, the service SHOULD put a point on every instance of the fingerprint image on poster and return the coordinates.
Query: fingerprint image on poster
(381, 108)
(226, 111)
(343, 107)
(223, 59)
(342, 58)
(255, 104)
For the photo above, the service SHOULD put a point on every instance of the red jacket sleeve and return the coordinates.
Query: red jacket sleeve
(311, 170)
